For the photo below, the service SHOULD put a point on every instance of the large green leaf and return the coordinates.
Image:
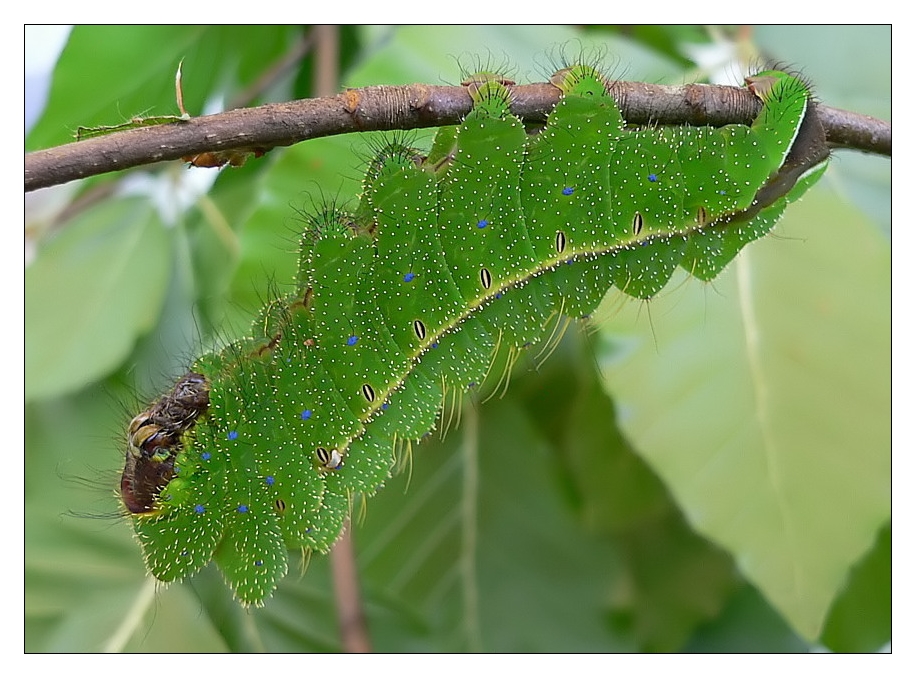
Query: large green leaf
(671, 579)
(763, 401)
(486, 551)
(83, 598)
(90, 293)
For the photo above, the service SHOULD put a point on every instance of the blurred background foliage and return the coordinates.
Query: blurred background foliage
(706, 472)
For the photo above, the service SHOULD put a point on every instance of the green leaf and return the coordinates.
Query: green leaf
(485, 549)
(763, 401)
(747, 624)
(671, 579)
(87, 592)
(109, 74)
(860, 619)
(92, 291)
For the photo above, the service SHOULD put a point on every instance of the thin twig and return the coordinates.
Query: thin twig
(469, 501)
(351, 620)
(277, 70)
(326, 73)
(406, 107)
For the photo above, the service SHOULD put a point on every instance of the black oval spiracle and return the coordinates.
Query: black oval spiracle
(637, 223)
(702, 216)
(485, 278)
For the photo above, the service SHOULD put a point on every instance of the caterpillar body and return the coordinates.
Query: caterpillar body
(448, 265)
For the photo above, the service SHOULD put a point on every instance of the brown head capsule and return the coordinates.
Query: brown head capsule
(154, 440)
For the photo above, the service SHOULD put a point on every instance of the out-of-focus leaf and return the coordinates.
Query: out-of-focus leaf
(109, 74)
(86, 591)
(90, 293)
(763, 401)
(747, 624)
(444, 54)
(671, 579)
(860, 619)
(667, 39)
(485, 549)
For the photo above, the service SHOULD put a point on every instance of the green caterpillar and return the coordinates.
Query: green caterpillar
(450, 264)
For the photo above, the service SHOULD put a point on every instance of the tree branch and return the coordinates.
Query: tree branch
(407, 107)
